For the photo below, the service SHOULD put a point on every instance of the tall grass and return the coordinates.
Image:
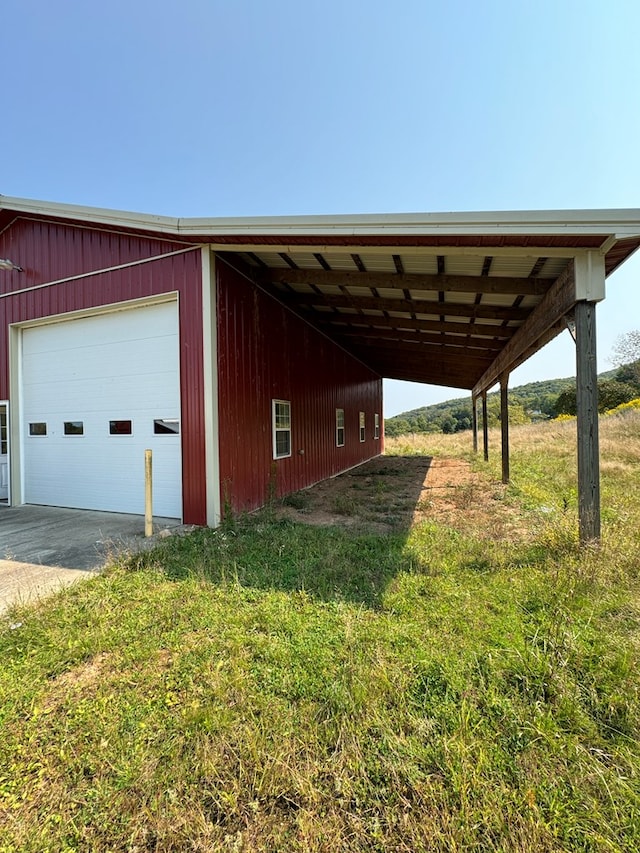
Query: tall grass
(273, 686)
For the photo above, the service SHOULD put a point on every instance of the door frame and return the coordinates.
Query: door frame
(4, 404)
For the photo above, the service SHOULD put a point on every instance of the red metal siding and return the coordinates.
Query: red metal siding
(265, 352)
(50, 251)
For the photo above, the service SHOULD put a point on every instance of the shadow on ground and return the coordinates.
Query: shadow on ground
(341, 540)
(380, 496)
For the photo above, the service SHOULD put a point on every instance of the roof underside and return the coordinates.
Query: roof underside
(432, 298)
(410, 314)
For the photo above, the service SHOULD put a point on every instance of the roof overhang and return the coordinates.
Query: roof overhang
(456, 299)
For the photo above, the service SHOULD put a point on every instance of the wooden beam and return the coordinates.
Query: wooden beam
(418, 306)
(285, 257)
(504, 426)
(530, 286)
(424, 375)
(587, 411)
(454, 341)
(321, 260)
(354, 321)
(461, 358)
(558, 301)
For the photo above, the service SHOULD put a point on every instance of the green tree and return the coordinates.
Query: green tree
(626, 354)
(611, 393)
(566, 403)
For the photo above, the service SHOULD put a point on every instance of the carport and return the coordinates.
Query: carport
(450, 299)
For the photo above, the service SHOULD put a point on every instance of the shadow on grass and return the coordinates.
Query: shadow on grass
(353, 561)
(329, 563)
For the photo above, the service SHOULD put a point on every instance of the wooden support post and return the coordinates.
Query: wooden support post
(485, 427)
(587, 411)
(504, 425)
(474, 422)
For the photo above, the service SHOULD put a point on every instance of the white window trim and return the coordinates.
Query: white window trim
(362, 425)
(376, 425)
(274, 403)
(340, 427)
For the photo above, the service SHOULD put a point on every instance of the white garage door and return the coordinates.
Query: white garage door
(96, 392)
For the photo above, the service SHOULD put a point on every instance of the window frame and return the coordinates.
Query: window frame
(73, 429)
(340, 427)
(113, 426)
(279, 429)
(362, 426)
(162, 426)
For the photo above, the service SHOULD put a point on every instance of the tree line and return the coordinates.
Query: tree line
(533, 402)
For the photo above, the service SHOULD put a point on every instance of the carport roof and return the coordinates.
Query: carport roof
(454, 299)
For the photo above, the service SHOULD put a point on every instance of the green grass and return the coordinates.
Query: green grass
(272, 686)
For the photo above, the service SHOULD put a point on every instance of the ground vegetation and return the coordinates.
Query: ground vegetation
(411, 657)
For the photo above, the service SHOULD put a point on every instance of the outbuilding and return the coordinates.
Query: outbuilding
(248, 354)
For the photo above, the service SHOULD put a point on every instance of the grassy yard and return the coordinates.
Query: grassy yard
(466, 682)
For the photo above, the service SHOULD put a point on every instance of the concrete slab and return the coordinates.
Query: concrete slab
(72, 538)
(22, 583)
(43, 548)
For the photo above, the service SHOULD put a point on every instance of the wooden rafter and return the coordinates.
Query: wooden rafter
(457, 341)
(463, 359)
(486, 330)
(531, 286)
(419, 306)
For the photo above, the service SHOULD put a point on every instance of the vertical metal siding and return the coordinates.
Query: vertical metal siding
(265, 352)
(50, 251)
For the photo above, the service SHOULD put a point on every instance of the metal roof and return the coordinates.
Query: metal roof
(429, 297)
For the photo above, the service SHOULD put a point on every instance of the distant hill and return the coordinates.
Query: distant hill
(534, 401)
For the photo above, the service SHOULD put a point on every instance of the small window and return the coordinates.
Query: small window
(120, 428)
(38, 428)
(339, 427)
(74, 428)
(376, 425)
(362, 431)
(281, 423)
(166, 426)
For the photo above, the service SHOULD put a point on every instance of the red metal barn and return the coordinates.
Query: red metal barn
(248, 354)
(98, 320)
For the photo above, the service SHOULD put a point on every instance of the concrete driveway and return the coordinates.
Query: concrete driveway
(44, 548)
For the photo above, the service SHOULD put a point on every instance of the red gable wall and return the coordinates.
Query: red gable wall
(49, 251)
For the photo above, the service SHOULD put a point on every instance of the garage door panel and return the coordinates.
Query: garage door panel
(110, 395)
(55, 368)
(96, 370)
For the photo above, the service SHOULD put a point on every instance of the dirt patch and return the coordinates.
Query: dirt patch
(391, 493)
(87, 674)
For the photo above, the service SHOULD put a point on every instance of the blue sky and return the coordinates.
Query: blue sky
(209, 108)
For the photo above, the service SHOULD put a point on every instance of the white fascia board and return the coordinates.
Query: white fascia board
(619, 223)
(97, 215)
(533, 251)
